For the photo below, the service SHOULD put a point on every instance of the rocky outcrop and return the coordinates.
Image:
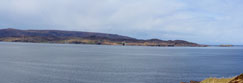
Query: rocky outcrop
(191, 82)
(238, 79)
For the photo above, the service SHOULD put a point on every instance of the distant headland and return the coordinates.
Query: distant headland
(79, 37)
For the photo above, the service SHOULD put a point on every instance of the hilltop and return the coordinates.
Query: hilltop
(79, 37)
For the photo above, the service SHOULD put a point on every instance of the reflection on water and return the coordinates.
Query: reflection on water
(56, 63)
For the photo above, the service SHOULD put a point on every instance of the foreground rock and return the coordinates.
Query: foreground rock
(238, 79)
(191, 82)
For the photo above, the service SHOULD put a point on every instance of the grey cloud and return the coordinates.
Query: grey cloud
(207, 21)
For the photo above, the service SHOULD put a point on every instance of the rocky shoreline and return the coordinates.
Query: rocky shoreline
(237, 79)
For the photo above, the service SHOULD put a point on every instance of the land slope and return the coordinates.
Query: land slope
(237, 79)
(78, 37)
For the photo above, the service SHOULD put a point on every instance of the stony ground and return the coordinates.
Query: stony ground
(237, 79)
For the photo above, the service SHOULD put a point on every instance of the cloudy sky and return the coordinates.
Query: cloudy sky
(201, 21)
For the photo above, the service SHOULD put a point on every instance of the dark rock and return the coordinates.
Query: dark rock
(194, 82)
(238, 79)
(191, 82)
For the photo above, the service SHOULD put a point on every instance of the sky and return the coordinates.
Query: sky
(200, 21)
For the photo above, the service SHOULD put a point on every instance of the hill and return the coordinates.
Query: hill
(79, 37)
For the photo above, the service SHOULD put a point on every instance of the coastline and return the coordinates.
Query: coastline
(99, 44)
(120, 45)
(236, 79)
(79, 37)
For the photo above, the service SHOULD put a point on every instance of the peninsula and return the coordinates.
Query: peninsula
(78, 37)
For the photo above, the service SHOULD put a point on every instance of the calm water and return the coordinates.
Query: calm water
(56, 63)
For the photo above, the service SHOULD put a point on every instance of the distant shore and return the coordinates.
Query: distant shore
(114, 45)
(94, 38)
(79, 37)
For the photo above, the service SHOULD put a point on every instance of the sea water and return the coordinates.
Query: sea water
(70, 63)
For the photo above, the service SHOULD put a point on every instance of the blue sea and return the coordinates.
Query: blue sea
(70, 63)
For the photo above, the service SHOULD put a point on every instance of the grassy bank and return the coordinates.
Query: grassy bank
(236, 79)
(217, 80)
